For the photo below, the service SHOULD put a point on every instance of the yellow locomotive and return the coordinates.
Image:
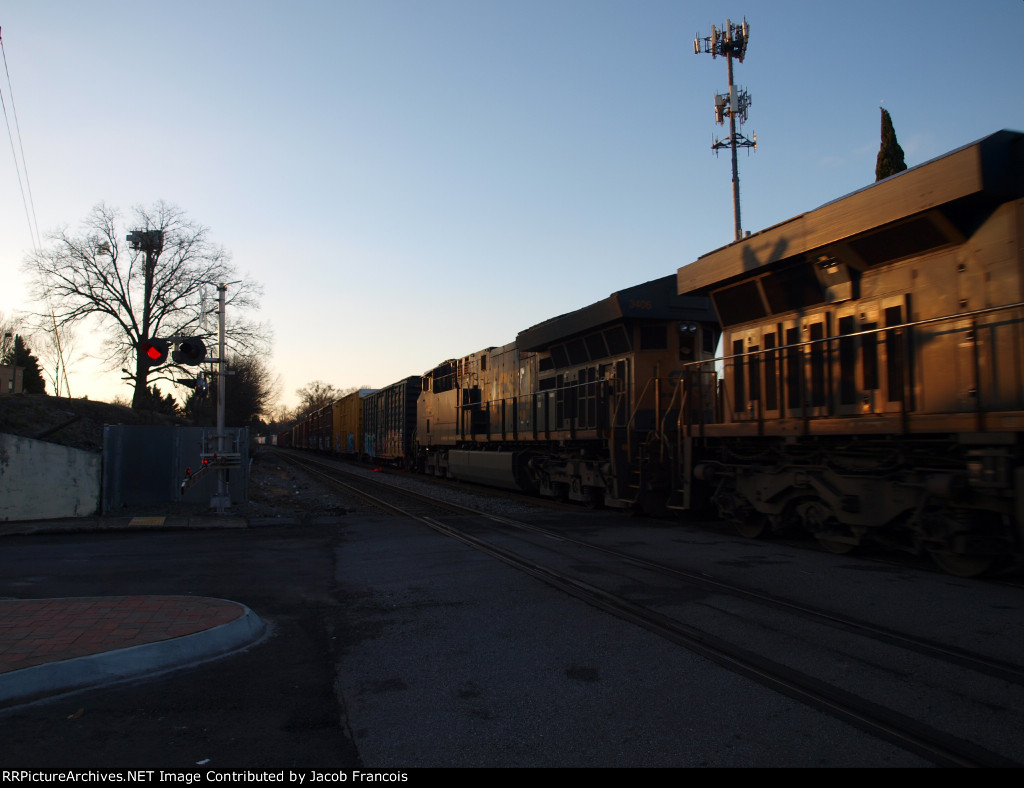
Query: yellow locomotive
(871, 382)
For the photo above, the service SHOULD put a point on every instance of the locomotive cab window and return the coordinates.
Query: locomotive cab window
(653, 337)
(617, 340)
(596, 346)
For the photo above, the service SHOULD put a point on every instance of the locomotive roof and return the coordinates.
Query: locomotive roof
(654, 300)
(991, 166)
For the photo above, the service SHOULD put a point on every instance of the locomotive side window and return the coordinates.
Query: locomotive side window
(794, 378)
(739, 391)
(755, 373)
(869, 361)
(894, 353)
(817, 353)
(847, 361)
(559, 401)
(771, 372)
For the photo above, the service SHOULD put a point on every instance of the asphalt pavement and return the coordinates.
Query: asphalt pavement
(49, 646)
(124, 644)
(360, 642)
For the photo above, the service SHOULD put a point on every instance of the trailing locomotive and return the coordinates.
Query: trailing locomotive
(873, 388)
(582, 407)
(870, 387)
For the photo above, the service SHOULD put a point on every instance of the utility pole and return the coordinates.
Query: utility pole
(223, 499)
(730, 42)
(216, 452)
(151, 242)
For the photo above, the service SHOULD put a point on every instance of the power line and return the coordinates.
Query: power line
(30, 211)
(30, 208)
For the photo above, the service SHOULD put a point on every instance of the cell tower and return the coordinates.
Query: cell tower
(730, 42)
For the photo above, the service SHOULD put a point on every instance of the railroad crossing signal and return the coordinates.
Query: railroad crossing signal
(153, 352)
(191, 351)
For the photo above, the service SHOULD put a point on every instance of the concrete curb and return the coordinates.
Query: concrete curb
(110, 667)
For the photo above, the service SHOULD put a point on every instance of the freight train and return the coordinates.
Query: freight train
(868, 388)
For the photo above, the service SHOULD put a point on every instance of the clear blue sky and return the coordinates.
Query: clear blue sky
(413, 180)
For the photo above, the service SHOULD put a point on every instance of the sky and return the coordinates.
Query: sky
(416, 180)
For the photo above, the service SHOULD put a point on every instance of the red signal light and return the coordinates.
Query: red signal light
(153, 351)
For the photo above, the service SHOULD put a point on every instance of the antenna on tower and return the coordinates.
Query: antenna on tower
(730, 42)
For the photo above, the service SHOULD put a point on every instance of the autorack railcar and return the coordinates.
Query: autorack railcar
(873, 386)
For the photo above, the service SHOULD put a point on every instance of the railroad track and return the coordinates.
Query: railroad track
(555, 558)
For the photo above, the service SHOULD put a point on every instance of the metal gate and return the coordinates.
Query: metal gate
(146, 465)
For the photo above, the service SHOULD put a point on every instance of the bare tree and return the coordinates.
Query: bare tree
(314, 396)
(137, 294)
(249, 394)
(56, 351)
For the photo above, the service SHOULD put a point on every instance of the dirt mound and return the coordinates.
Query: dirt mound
(70, 422)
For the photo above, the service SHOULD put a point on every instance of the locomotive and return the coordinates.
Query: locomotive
(582, 407)
(872, 387)
(855, 372)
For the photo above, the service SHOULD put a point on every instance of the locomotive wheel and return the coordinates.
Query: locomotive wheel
(962, 565)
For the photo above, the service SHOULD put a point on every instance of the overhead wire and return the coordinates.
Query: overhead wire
(22, 164)
(30, 207)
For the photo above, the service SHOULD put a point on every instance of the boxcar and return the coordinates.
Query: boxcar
(389, 423)
(347, 439)
(321, 428)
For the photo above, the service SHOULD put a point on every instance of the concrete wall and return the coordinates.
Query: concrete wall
(45, 481)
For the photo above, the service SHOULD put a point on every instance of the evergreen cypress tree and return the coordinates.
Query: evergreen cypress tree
(155, 401)
(890, 154)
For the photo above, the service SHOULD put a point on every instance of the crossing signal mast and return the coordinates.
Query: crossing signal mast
(730, 42)
(191, 351)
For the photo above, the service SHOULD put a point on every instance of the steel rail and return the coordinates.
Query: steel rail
(936, 746)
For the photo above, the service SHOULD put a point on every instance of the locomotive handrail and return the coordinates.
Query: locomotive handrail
(632, 416)
(809, 342)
